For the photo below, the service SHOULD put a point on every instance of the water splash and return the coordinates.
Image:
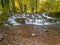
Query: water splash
(36, 19)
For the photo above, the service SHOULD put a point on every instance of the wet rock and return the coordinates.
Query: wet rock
(21, 20)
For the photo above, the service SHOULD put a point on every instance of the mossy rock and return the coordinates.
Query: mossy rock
(21, 20)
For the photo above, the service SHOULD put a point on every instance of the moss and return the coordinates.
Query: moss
(21, 20)
(4, 16)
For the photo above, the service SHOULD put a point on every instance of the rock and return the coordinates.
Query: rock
(1, 37)
(21, 20)
(33, 34)
(47, 31)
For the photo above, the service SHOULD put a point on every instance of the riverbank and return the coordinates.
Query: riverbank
(31, 35)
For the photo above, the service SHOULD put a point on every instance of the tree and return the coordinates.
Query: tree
(20, 5)
(5, 11)
(37, 2)
(13, 6)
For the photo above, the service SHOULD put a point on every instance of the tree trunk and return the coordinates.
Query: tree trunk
(36, 6)
(20, 6)
(13, 6)
(25, 9)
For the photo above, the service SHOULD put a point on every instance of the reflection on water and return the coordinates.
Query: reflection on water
(36, 19)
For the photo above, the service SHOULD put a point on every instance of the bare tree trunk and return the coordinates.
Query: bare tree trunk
(36, 6)
(25, 9)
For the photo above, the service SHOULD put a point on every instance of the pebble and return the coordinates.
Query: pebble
(33, 34)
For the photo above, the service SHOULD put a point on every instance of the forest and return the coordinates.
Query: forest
(29, 22)
(7, 7)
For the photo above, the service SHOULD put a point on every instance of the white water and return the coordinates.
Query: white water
(35, 19)
(46, 16)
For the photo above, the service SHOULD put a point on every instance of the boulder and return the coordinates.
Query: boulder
(21, 20)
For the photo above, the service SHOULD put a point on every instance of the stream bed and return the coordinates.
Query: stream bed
(36, 19)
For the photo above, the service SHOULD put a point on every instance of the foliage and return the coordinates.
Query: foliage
(30, 6)
(35, 5)
(55, 14)
(5, 11)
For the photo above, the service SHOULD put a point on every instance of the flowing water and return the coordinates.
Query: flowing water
(31, 34)
(36, 19)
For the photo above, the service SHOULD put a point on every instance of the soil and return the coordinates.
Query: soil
(31, 35)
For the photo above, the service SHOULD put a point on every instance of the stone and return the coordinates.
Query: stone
(33, 34)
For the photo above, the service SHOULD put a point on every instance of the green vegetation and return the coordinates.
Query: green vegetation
(5, 13)
(29, 6)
